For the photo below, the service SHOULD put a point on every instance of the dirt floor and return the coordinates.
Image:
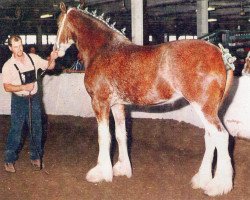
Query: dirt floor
(165, 154)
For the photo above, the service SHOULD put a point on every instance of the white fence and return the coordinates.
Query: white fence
(66, 95)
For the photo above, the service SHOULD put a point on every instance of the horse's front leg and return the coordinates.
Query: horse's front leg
(103, 170)
(123, 166)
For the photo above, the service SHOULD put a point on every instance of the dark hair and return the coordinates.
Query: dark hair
(16, 38)
(30, 47)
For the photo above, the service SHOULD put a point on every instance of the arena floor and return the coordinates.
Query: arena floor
(165, 154)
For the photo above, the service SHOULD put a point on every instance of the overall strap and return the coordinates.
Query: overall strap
(31, 61)
(19, 73)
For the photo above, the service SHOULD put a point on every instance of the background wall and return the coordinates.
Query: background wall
(66, 95)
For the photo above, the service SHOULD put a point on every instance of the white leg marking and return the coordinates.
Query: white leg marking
(204, 175)
(123, 166)
(222, 181)
(103, 170)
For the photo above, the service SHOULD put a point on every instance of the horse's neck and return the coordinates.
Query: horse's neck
(92, 36)
(88, 50)
(94, 43)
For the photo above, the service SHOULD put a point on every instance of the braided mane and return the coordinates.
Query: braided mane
(101, 18)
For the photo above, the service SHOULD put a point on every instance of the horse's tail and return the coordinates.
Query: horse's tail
(229, 81)
(228, 60)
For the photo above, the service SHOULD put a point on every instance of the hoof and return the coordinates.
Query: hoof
(122, 169)
(100, 173)
(199, 181)
(218, 187)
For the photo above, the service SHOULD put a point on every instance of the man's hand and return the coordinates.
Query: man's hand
(54, 55)
(27, 87)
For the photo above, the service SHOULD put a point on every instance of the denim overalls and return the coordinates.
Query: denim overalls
(20, 115)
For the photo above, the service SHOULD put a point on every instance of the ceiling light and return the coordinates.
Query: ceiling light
(242, 11)
(46, 16)
(212, 20)
(210, 8)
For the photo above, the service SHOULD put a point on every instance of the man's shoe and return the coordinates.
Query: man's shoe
(9, 167)
(37, 165)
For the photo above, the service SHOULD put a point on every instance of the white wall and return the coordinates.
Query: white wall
(66, 95)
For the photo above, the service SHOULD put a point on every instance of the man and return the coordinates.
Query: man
(32, 49)
(19, 77)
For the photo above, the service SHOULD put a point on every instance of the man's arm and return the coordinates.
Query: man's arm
(53, 57)
(17, 88)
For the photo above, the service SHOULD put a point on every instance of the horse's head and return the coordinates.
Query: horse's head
(89, 31)
(64, 36)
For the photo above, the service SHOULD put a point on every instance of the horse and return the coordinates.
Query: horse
(119, 72)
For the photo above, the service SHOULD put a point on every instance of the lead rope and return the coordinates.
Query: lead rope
(30, 130)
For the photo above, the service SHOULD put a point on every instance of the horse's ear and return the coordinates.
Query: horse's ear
(63, 7)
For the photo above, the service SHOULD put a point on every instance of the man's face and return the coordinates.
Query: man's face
(17, 48)
(32, 50)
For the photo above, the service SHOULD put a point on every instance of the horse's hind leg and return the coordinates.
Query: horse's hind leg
(216, 137)
(103, 169)
(123, 166)
(204, 175)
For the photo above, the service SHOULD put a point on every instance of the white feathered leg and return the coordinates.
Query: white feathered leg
(103, 170)
(123, 166)
(222, 181)
(218, 138)
(204, 175)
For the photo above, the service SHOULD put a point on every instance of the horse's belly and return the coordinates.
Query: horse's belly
(144, 100)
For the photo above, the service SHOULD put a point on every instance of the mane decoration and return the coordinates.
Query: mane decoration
(227, 58)
(101, 18)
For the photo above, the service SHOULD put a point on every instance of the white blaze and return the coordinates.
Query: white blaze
(63, 46)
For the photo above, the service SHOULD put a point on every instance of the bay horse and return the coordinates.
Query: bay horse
(119, 72)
